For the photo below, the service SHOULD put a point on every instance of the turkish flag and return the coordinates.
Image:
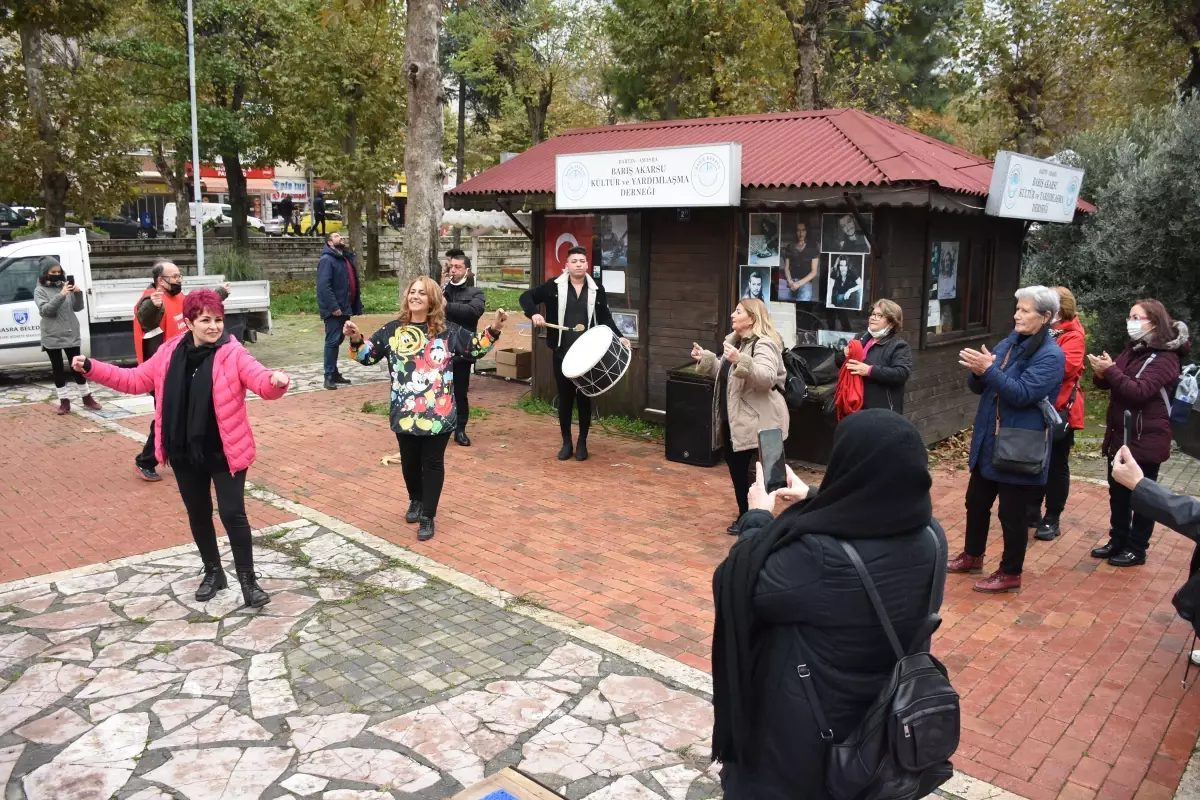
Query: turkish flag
(563, 233)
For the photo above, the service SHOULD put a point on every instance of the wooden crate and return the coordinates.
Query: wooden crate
(507, 784)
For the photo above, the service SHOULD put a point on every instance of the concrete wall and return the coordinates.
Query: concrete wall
(286, 258)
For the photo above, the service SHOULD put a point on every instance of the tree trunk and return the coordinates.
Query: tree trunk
(54, 181)
(422, 153)
(1025, 100)
(460, 148)
(238, 200)
(175, 173)
(808, 31)
(537, 112)
(372, 259)
(352, 201)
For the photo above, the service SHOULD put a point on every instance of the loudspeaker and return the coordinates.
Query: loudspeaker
(689, 433)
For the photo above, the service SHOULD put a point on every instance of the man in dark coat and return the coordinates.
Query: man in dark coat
(465, 304)
(318, 217)
(338, 299)
(284, 208)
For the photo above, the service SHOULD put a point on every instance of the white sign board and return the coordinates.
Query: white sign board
(1033, 189)
(663, 177)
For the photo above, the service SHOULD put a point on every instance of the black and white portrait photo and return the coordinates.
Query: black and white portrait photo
(844, 281)
(754, 282)
(840, 233)
(764, 240)
(614, 240)
(835, 339)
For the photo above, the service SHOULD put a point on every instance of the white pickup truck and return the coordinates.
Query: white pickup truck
(106, 322)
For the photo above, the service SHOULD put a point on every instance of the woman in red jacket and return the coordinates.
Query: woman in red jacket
(1072, 340)
(1140, 381)
(200, 380)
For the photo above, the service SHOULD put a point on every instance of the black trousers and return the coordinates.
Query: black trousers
(1015, 500)
(1128, 530)
(423, 462)
(1058, 483)
(195, 487)
(569, 397)
(61, 367)
(148, 459)
(462, 383)
(740, 466)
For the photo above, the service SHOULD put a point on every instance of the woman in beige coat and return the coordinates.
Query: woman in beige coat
(749, 396)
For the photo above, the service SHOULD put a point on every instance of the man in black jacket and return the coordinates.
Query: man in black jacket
(284, 208)
(464, 305)
(572, 298)
(338, 299)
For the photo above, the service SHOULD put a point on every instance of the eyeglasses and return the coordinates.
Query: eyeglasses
(1138, 319)
(877, 315)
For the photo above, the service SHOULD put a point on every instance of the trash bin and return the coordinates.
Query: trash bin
(689, 435)
(810, 429)
(1187, 435)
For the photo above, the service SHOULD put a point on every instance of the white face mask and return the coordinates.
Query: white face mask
(879, 334)
(1135, 329)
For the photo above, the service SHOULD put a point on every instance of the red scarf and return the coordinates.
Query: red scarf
(848, 397)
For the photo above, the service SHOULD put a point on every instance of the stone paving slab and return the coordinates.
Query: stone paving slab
(405, 686)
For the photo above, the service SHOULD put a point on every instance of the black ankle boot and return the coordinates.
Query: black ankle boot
(581, 452)
(414, 512)
(213, 582)
(425, 532)
(566, 450)
(252, 593)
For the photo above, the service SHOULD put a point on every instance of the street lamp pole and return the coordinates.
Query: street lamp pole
(197, 198)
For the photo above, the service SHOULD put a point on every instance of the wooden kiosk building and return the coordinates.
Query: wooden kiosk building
(903, 210)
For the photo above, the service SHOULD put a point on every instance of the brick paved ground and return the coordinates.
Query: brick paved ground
(1072, 688)
(361, 680)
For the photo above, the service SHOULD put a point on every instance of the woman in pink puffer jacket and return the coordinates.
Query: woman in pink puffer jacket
(199, 382)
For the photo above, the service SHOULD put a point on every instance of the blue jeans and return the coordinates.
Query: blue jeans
(333, 341)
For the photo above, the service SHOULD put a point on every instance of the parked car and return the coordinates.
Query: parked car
(10, 221)
(124, 228)
(30, 213)
(221, 212)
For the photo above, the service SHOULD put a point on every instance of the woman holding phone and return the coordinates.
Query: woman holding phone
(749, 394)
(58, 300)
(1139, 383)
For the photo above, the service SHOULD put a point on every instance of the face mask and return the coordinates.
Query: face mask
(879, 334)
(174, 288)
(53, 280)
(1135, 329)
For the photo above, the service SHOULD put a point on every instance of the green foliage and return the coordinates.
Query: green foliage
(236, 265)
(1144, 241)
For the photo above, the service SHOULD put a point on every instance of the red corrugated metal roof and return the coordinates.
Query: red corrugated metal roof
(838, 147)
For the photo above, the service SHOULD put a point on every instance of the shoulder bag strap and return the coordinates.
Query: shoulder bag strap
(1162, 392)
(873, 594)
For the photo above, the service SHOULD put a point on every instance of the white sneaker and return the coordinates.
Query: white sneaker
(1195, 658)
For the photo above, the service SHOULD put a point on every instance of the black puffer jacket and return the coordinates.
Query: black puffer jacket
(814, 611)
(891, 363)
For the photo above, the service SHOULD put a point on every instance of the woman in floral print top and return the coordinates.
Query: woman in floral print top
(420, 347)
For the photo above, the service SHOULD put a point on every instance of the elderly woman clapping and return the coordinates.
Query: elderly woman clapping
(1011, 443)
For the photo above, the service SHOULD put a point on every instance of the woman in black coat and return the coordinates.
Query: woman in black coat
(787, 596)
(888, 361)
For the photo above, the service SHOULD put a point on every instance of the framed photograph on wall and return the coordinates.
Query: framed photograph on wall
(627, 323)
(754, 282)
(947, 271)
(840, 233)
(798, 279)
(764, 240)
(844, 281)
(614, 240)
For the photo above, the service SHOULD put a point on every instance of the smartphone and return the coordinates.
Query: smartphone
(770, 454)
(1128, 425)
(70, 280)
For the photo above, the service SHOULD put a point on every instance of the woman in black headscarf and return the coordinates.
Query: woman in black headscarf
(786, 596)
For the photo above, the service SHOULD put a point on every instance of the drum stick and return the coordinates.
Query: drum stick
(577, 328)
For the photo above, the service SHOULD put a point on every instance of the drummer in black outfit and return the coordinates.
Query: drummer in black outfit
(571, 299)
